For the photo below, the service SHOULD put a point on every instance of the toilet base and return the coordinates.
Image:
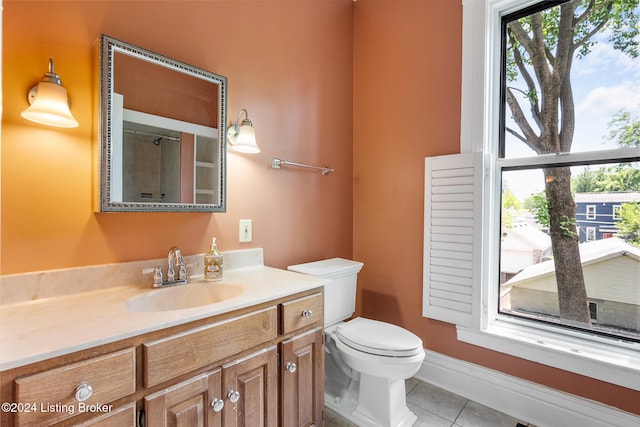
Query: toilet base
(380, 402)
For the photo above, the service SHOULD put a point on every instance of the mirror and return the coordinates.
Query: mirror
(162, 133)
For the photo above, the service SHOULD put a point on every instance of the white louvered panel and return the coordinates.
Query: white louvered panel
(452, 189)
(449, 197)
(450, 280)
(439, 289)
(449, 271)
(450, 213)
(442, 231)
(450, 246)
(461, 223)
(450, 238)
(452, 255)
(450, 304)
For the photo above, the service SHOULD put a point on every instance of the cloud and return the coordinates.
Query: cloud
(603, 58)
(605, 101)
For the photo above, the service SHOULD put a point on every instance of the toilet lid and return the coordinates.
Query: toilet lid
(380, 338)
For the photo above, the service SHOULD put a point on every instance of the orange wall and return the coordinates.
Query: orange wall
(283, 65)
(407, 73)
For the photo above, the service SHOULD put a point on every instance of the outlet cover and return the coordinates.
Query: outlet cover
(245, 230)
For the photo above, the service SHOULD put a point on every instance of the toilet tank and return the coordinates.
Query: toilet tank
(340, 294)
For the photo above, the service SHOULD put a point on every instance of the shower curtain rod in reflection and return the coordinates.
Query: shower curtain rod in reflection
(156, 135)
(278, 163)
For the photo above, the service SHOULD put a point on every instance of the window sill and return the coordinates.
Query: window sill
(592, 357)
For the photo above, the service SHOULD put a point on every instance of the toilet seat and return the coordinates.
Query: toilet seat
(379, 338)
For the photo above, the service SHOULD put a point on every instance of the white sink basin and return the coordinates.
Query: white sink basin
(184, 296)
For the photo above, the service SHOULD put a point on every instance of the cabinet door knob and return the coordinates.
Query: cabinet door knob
(290, 366)
(217, 404)
(83, 392)
(233, 396)
(307, 314)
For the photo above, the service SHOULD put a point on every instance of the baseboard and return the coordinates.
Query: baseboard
(536, 404)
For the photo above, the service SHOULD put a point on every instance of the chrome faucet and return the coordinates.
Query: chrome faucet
(174, 261)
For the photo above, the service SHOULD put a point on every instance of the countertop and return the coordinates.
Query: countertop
(32, 331)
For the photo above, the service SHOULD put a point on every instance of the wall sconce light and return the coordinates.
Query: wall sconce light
(49, 102)
(242, 135)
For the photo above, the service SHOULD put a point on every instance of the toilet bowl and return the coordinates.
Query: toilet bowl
(367, 361)
(379, 349)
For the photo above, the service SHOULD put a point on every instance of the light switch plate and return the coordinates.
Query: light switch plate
(245, 230)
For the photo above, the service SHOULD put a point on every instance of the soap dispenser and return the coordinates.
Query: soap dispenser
(213, 263)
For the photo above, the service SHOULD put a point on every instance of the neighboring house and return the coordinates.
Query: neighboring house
(597, 213)
(522, 245)
(613, 293)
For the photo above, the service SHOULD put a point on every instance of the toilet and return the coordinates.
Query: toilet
(366, 361)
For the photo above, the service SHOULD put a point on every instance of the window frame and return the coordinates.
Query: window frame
(592, 356)
(615, 212)
(593, 311)
(590, 212)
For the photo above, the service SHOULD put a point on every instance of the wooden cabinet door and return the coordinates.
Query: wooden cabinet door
(250, 386)
(122, 416)
(302, 380)
(187, 404)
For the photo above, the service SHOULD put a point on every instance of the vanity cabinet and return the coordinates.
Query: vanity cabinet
(189, 403)
(260, 366)
(57, 394)
(241, 393)
(251, 387)
(302, 379)
(121, 416)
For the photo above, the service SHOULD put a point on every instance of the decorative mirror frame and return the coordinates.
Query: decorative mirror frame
(107, 48)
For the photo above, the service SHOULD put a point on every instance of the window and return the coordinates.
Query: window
(593, 310)
(498, 145)
(616, 211)
(542, 127)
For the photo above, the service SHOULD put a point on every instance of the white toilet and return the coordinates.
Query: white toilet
(366, 361)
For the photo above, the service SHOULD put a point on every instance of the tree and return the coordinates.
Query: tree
(614, 179)
(540, 53)
(629, 223)
(624, 129)
(511, 205)
(538, 204)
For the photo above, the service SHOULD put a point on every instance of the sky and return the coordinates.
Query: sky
(604, 82)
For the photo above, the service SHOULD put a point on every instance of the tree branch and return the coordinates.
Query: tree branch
(568, 116)
(590, 10)
(523, 139)
(538, 51)
(580, 19)
(564, 48)
(529, 136)
(531, 86)
(533, 47)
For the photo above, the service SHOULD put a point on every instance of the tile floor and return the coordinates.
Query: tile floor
(436, 407)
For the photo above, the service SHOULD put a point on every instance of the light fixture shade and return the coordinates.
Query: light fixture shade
(49, 102)
(242, 136)
(245, 140)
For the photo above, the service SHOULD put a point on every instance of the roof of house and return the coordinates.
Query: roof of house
(522, 237)
(607, 197)
(590, 253)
